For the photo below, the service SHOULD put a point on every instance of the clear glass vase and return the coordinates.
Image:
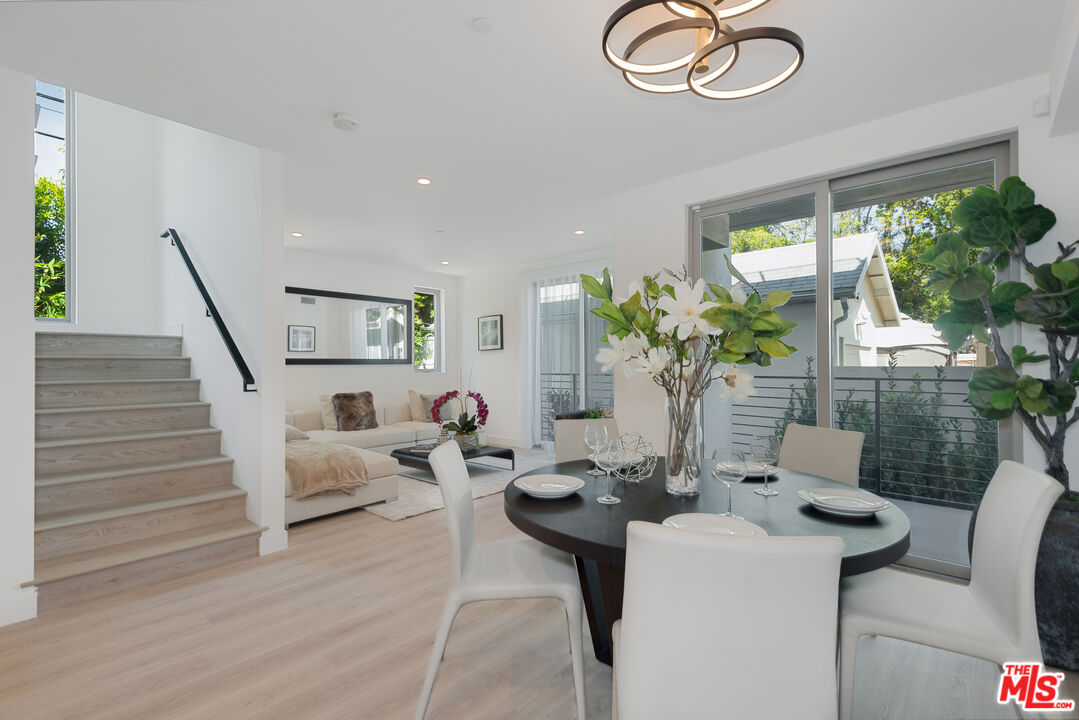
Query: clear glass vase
(684, 445)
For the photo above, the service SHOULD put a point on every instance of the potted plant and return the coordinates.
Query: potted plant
(998, 227)
(686, 335)
(466, 428)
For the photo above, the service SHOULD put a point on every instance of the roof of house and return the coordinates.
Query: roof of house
(794, 267)
(910, 334)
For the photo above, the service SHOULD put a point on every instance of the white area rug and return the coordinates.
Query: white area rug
(416, 497)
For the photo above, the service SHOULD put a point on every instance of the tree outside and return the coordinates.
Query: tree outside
(50, 249)
(423, 330)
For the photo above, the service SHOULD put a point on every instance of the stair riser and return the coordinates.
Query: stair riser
(118, 454)
(133, 489)
(61, 426)
(50, 544)
(92, 394)
(106, 345)
(63, 593)
(112, 368)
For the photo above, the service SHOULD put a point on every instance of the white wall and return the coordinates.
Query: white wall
(650, 223)
(224, 199)
(389, 383)
(17, 359)
(117, 251)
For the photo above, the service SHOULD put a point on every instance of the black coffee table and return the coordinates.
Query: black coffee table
(595, 534)
(406, 456)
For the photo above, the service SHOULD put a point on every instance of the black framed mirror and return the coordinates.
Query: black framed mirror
(325, 327)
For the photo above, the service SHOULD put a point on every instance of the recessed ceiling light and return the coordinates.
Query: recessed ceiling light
(423, 181)
(482, 25)
(344, 122)
(296, 234)
(578, 232)
(445, 262)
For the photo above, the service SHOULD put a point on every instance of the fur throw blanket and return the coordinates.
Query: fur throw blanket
(318, 468)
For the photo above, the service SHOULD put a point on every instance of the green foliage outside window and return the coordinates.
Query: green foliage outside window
(50, 249)
(423, 330)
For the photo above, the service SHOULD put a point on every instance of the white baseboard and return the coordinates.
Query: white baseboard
(18, 604)
(273, 541)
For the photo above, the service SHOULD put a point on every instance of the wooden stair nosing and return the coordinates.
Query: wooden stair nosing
(114, 381)
(115, 408)
(55, 521)
(72, 478)
(151, 358)
(69, 566)
(100, 335)
(101, 439)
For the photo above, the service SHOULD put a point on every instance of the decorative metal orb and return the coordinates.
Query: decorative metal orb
(640, 456)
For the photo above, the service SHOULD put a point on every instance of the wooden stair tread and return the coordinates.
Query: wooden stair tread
(113, 381)
(68, 566)
(106, 334)
(53, 521)
(151, 358)
(137, 470)
(110, 408)
(95, 440)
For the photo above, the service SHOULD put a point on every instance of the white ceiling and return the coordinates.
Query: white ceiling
(526, 131)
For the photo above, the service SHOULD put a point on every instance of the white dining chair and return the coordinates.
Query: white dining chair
(830, 453)
(717, 626)
(497, 571)
(992, 617)
(569, 437)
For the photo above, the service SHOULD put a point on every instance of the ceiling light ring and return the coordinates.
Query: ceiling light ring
(740, 36)
(623, 64)
(662, 29)
(678, 7)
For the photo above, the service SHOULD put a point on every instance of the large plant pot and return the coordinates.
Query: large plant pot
(1056, 583)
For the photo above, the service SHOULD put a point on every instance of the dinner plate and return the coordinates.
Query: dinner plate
(548, 487)
(844, 502)
(717, 524)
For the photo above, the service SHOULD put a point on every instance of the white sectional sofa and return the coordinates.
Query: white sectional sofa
(396, 429)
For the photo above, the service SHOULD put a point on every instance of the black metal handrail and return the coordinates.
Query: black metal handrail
(211, 310)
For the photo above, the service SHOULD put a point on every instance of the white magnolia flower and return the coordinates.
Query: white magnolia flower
(619, 353)
(654, 362)
(684, 310)
(739, 294)
(634, 287)
(737, 383)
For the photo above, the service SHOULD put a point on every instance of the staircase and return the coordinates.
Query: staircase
(131, 485)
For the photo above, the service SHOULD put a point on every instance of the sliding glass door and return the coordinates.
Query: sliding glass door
(869, 358)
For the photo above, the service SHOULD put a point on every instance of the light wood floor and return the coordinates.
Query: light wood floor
(341, 625)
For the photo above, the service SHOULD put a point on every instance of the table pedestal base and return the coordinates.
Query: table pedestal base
(601, 586)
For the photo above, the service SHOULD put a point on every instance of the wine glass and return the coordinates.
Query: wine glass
(729, 467)
(765, 449)
(610, 458)
(595, 437)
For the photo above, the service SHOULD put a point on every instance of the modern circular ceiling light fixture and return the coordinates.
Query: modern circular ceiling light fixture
(423, 181)
(716, 47)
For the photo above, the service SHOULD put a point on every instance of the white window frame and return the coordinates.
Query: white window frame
(70, 283)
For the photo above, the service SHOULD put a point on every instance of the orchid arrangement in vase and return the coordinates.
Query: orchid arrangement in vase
(686, 335)
(466, 426)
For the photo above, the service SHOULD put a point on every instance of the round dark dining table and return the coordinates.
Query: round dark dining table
(595, 534)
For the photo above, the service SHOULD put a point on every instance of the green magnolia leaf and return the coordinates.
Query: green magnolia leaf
(1015, 193)
(767, 321)
(777, 298)
(728, 357)
(740, 341)
(1065, 270)
(630, 307)
(775, 348)
(1032, 223)
(734, 271)
(608, 287)
(667, 289)
(720, 293)
(594, 288)
(1021, 355)
(1061, 397)
(753, 301)
(616, 322)
(729, 316)
(987, 381)
(1002, 399)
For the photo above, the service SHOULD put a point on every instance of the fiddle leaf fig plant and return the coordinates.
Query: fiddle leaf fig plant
(997, 228)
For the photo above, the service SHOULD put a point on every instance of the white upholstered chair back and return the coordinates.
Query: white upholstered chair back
(722, 626)
(1011, 518)
(452, 474)
(834, 454)
(569, 437)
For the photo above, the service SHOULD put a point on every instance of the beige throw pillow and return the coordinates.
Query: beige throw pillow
(355, 411)
(449, 412)
(329, 416)
(415, 407)
(294, 433)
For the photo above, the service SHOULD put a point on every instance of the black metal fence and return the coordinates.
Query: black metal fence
(561, 392)
(923, 440)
